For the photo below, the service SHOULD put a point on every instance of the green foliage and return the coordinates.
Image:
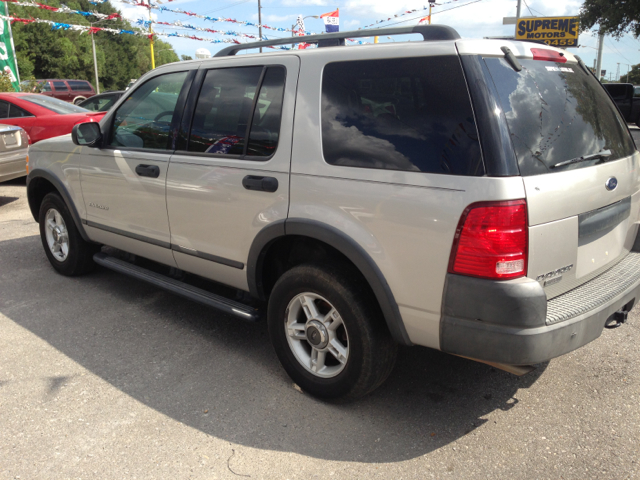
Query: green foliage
(5, 83)
(633, 77)
(615, 17)
(186, 57)
(46, 53)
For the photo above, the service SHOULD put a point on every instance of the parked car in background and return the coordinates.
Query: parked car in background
(101, 102)
(625, 95)
(41, 116)
(14, 149)
(74, 91)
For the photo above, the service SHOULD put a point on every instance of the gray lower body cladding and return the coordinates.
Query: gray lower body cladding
(515, 325)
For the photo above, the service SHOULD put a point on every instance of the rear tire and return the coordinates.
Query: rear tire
(329, 333)
(65, 248)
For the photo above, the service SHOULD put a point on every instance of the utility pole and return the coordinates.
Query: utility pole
(599, 57)
(153, 58)
(518, 13)
(618, 72)
(260, 22)
(95, 62)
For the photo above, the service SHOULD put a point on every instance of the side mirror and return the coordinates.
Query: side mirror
(87, 134)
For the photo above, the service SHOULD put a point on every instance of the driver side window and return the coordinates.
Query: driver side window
(144, 120)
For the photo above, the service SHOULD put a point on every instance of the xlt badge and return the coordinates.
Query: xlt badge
(101, 207)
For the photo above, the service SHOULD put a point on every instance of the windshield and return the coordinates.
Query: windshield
(53, 104)
(557, 112)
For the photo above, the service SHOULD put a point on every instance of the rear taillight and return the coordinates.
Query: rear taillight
(548, 55)
(491, 241)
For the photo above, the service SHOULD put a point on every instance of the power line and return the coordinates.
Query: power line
(610, 46)
(529, 8)
(441, 11)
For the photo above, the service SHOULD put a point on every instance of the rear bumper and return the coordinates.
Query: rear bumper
(529, 329)
(13, 165)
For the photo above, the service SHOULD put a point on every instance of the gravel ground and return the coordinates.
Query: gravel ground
(105, 377)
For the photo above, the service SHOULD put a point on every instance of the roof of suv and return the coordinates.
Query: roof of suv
(430, 33)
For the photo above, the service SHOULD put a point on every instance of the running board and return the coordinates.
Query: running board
(231, 307)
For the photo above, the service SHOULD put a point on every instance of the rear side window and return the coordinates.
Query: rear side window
(556, 112)
(411, 114)
(77, 85)
(235, 103)
(60, 86)
(15, 112)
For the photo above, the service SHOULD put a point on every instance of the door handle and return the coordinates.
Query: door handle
(265, 184)
(148, 171)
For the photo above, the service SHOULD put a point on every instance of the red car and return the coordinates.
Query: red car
(41, 116)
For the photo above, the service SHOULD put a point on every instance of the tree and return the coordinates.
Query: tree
(615, 17)
(633, 76)
(185, 57)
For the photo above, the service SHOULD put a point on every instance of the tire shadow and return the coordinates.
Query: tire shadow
(221, 376)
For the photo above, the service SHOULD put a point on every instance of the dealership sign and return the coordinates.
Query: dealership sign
(556, 31)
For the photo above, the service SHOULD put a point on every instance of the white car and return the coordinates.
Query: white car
(14, 148)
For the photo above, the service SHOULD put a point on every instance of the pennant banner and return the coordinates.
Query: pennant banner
(113, 31)
(64, 9)
(409, 12)
(162, 8)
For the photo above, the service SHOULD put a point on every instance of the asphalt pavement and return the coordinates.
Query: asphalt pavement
(105, 377)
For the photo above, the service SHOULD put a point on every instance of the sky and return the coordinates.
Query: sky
(471, 18)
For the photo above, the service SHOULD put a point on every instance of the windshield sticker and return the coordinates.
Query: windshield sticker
(559, 69)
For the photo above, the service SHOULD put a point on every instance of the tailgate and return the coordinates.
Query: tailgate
(579, 166)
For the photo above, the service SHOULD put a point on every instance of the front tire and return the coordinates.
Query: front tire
(65, 248)
(328, 332)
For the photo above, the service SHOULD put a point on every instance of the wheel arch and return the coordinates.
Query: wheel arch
(283, 233)
(41, 182)
(79, 99)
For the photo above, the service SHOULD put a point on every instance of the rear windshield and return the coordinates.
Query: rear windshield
(557, 112)
(53, 104)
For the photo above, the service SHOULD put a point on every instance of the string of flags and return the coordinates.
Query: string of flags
(409, 12)
(114, 31)
(145, 24)
(162, 8)
(64, 9)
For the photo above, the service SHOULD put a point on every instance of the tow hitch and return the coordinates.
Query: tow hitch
(619, 317)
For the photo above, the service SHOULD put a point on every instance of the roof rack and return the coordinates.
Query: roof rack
(428, 32)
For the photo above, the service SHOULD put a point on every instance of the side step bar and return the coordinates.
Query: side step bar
(231, 307)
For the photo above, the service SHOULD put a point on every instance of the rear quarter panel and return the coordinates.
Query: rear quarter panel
(404, 220)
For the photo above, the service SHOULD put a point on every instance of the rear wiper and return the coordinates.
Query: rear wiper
(599, 155)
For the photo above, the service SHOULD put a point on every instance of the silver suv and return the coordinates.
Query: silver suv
(480, 197)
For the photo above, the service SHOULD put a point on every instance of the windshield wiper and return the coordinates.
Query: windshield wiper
(599, 155)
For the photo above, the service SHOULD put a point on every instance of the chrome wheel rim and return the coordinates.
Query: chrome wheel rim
(57, 235)
(317, 335)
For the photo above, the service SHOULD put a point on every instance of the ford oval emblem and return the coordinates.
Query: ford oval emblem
(611, 184)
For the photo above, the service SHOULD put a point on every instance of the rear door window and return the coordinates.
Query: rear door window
(236, 103)
(79, 86)
(146, 118)
(411, 114)
(60, 86)
(557, 112)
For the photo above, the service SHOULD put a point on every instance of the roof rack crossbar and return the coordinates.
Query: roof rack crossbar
(428, 32)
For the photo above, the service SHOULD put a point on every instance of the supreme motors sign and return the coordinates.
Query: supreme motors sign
(556, 31)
